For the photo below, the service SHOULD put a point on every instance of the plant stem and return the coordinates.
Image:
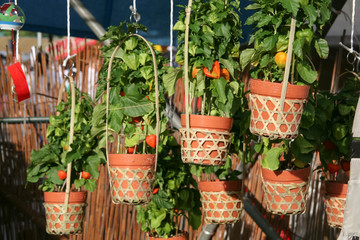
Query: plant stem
(144, 142)
(293, 70)
(118, 143)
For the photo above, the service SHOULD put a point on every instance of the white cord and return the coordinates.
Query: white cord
(17, 42)
(171, 31)
(134, 5)
(352, 25)
(135, 10)
(68, 28)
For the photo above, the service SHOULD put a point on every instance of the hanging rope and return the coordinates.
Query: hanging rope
(68, 28)
(171, 31)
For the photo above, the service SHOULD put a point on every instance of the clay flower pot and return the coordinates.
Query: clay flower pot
(180, 237)
(132, 178)
(208, 141)
(58, 222)
(267, 119)
(285, 192)
(221, 201)
(335, 200)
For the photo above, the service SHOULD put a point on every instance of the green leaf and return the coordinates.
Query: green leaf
(219, 86)
(222, 30)
(270, 42)
(159, 217)
(53, 176)
(235, 86)
(291, 5)
(339, 131)
(147, 72)
(258, 147)
(245, 57)
(322, 48)
(73, 155)
(229, 65)
(310, 11)
(304, 145)
(132, 61)
(92, 165)
(298, 45)
(272, 159)
(98, 114)
(90, 184)
(130, 142)
(308, 117)
(143, 58)
(306, 73)
(131, 43)
(179, 26)
(253, 6)
(264, 21)
(344, 109)
(170, 79)
(116, 117)
(119, 54)
(79, 183)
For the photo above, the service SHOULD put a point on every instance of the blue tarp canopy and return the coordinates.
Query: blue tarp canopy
(49, 16)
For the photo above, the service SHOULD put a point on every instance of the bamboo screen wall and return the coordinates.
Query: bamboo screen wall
(21, 210)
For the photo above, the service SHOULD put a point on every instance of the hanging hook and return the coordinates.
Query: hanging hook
(71, 68)
(134, 14)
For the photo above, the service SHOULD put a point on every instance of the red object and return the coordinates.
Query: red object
(151, 140)
(155, 190)
(225, 73)
(333, 168)
(85, 175)
(131, 150)
(62, 174)
(19, 79)
(122, 93)
(329, 145)
(148, 98)
(136, 119)
(194, 72)
(345, 165)
(215, 70)
(199, 103)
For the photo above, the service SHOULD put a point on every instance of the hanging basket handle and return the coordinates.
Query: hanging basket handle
(71, 137)
(186, 66)
(287, 64)
(156, 93)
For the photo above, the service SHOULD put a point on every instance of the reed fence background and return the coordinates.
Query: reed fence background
(21, 210)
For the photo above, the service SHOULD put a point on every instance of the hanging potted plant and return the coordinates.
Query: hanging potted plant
(129, 116)
(69, 143)
(335, 150)
(213, 46)
(221, 199)
(276, 106)
(175, 196)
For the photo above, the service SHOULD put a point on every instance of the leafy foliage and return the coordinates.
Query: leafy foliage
(271, 24)
(132, 90)
(177, 195)
(84, 153)
(214, 33)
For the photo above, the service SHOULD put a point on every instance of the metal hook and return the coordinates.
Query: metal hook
(134, 14)
(72, 69)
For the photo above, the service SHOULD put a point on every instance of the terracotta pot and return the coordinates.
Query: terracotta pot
(209, 140)
(335, 199)
(132, 178)
(221, 201)
(264, 103)
(285, 192)
(181, 237)
(55, 220)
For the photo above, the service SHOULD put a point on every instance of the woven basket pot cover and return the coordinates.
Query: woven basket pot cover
(287, 196)
(221, 204)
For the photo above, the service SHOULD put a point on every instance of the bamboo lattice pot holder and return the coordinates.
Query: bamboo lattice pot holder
(57, 221)
(285, 192)
(208, 140)
(267, 119)
(132, 178)
(221, 201)
(335, 199)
